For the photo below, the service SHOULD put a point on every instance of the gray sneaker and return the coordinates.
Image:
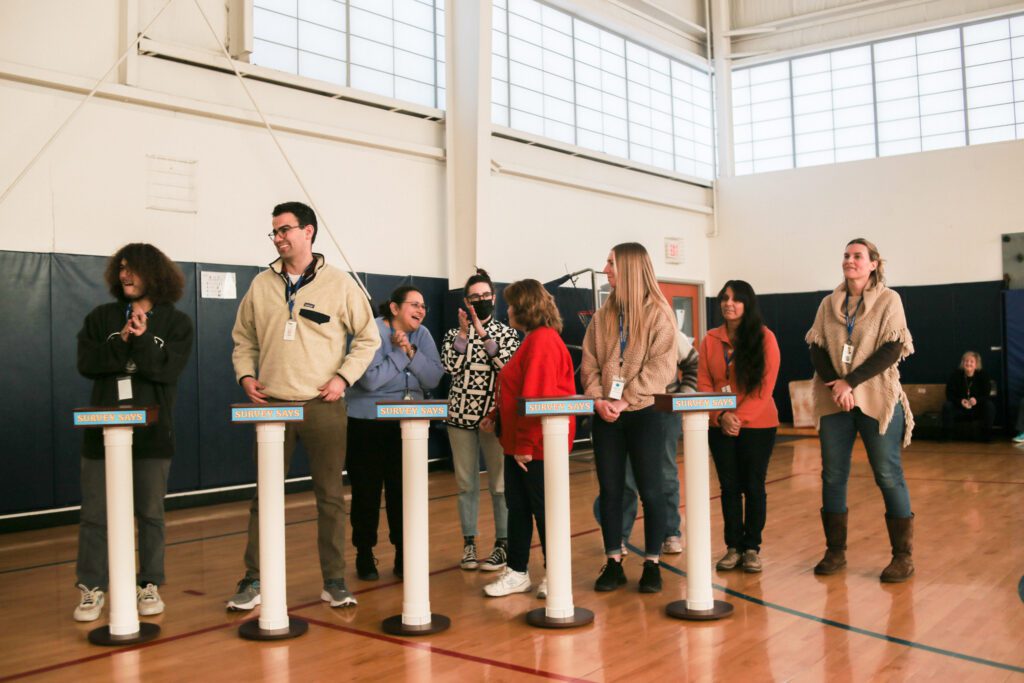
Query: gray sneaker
(751, 562)
(729, 561)
(149, 601)
(673, 545)
(337, 594)
(91, 604)
(246, 597)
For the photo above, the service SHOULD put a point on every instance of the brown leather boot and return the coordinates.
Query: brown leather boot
(901, 536)
(835, 543)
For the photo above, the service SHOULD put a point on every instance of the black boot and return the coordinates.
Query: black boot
(366, 565)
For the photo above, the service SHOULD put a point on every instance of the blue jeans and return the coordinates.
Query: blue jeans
(838, 433)
(635, 441)
(670, 471)
(466, 447)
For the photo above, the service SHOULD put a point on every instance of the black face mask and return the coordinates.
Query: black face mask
(484, 308)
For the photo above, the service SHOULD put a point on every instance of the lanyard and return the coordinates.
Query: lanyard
(851, 320)
(728, 358)
(128, 312)
(623, 340)
(292, 290)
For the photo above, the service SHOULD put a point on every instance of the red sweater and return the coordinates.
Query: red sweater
(540, 368)
(756, 410)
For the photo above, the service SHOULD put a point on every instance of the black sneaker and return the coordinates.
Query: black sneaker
(366, 566)
(650, 580)
(611, 576)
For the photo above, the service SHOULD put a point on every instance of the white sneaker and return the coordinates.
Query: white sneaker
(672, 546)
(149, 600)
(508, 583)
(542, 590)
(91, 604)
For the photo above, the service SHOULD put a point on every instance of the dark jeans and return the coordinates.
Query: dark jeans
(149, 486)
(640, 435)
(984, 413)
(742, 465)
(375, 464)
(524, 495)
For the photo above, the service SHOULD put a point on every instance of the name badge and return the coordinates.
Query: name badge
(727, 389)
(847, 353)
(124, 388)
(289, 330)
(618, 384)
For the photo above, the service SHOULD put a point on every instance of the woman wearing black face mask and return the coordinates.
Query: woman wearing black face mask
(472, 354)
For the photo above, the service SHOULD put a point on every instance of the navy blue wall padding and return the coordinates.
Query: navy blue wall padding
(26, 463)
(184, 474)
(945, 321)
(1013, 303)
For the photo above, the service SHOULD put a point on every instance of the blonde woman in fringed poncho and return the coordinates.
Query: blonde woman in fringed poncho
(859, 336)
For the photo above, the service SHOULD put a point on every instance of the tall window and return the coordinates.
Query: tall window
(559, 77)
(944, 88)
(388, 47)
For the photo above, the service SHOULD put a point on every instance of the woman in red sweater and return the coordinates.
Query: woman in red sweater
(741, 357)
(540, 368)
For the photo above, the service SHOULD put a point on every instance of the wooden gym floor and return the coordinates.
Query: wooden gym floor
(960, 618)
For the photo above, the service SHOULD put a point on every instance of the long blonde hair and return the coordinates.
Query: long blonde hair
(636, 288)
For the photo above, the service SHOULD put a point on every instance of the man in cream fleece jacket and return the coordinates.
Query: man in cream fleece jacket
(292, 343)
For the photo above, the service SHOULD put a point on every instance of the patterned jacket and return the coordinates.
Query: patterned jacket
(474, 372)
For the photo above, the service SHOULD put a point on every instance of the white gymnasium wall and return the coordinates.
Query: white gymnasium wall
(936, 216)
(377, 176)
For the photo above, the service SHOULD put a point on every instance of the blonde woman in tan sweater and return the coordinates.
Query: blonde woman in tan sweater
(629, 354)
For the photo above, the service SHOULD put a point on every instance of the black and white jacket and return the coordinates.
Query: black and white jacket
(474, 372)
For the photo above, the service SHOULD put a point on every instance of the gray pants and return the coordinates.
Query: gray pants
(149, 486)
(466, 447)
(323, 433)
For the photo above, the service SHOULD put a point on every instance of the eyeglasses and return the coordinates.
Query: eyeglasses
(473, 298)
(417, 305)
(282, 231)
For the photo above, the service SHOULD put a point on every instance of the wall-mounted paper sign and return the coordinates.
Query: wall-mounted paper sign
(673, 250)
(216, 285)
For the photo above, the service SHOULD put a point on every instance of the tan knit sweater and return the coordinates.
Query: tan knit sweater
(649, 364)
(880, 320)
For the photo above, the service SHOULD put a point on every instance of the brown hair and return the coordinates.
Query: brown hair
(534, 306)
(878, 274)
(971, 354)
(161, 276)
(636, 291)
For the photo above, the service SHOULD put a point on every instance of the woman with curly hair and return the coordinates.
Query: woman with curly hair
(741, 357)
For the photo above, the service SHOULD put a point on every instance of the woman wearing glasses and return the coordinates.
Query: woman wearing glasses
(473, 353)
(405, 365)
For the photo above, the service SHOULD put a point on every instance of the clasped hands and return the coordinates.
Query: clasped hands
(842, 394)
(135, 326)
(609, 410)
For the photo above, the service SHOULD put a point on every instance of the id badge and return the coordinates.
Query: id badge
(124, 388)
(847, 353)
(618, 384)
(727, 389)
(289, 330)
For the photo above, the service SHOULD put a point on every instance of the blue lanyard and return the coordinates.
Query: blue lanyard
(128, 312)
(851, 320)
(728, 358)
(292, 290)
(623, 340)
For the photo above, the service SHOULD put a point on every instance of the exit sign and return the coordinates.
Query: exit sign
(673, 250)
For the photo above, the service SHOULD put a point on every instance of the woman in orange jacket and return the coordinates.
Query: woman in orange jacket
(741, 357)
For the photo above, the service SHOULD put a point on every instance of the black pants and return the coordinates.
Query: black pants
(524, 495)
(742, 465)
(640, 434)
(984, 414)
(374, 462)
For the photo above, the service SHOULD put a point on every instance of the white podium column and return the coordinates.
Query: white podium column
(118, 423)
(416, 618)
(700, 604)
(274, 623)
(559, 610)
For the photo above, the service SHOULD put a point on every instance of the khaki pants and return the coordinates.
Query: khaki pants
(322, 433)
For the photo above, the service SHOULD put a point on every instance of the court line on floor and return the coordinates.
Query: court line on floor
(432, 649)
(848, 627)
(950, 481)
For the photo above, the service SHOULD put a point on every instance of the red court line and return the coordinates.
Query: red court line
(419, 645)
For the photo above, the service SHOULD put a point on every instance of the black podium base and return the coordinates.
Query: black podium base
(102, 635)
(580, 617)
(394, 626)
(679, 610)
(251, 630)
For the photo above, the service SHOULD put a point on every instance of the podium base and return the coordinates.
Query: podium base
(103, 636)
(539, 618)
(679, 610)
(394, 626)
(251, 630)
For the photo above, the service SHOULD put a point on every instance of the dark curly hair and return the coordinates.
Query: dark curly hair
(749, 358)
(161, 276)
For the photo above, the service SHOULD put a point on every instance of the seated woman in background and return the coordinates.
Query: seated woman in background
(540, 368)
(406, 364)
(967, 397)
